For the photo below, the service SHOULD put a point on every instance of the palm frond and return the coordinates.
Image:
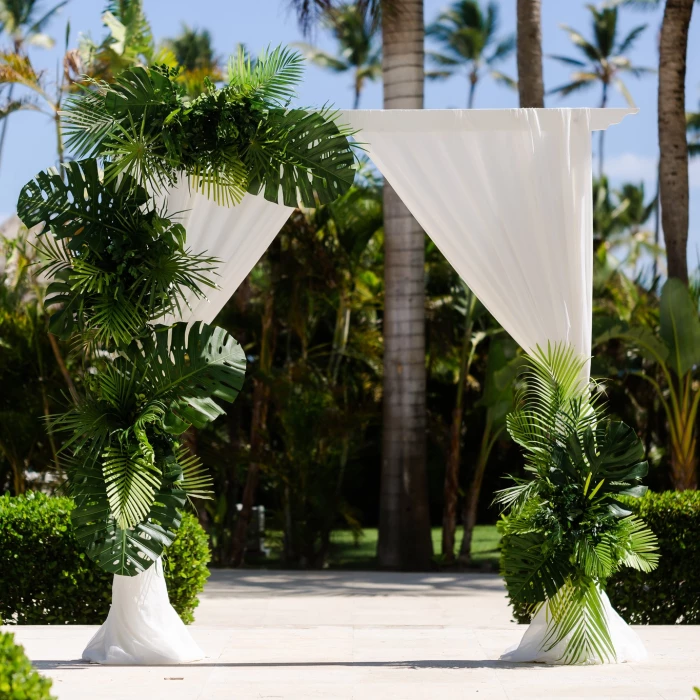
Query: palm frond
(196, 481)
(577, 616)
(131, 481)
(639, 543)
(273, 76)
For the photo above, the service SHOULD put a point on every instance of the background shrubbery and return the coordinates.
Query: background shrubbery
(48, 579)
(670, 594)
(18, 680)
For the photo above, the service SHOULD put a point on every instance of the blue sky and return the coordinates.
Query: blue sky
(631, 147)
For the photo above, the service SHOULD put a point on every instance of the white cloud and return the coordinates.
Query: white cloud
(631, 167)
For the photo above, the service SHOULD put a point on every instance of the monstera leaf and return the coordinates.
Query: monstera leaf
(301, 153)
(188, 370)
(533, 572)
(611, 459)
(82, 207)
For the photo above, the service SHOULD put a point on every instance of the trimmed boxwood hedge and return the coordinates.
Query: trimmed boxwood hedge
(671, 594)
(46, 578)
(18, 679)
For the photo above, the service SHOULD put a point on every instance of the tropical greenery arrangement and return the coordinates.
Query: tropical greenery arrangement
(119, 264)
(567, 531)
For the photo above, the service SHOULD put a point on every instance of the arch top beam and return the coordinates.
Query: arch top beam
(516, 119)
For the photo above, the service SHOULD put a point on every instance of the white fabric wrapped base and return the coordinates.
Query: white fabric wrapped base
(628, 647)
(142, 628)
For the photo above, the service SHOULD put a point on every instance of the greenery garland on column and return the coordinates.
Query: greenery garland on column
(567, 529)
(119, 265)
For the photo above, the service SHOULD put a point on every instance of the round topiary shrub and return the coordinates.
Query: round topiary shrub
(18, 679)
(46, 578)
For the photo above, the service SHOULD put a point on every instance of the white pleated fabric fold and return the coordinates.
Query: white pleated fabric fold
(628, 647)
(238, 236)
(142, 627)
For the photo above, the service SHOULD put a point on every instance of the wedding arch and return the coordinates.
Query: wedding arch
(506, 195)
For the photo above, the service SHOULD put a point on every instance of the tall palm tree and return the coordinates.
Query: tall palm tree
(603, 61)
(673, 143)
(24, 21)
(404, 519)
(529, 53)
(467, 38)
(359, 51)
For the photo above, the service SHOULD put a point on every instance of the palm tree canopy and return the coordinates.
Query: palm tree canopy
(193, 49)
(603, 57)
(311, 11)
(467, 36)
(358, 46)
(25, 20)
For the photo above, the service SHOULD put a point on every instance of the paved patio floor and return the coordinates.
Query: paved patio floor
(360, 636)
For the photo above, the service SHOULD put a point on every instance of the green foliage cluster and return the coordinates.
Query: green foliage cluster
(18, 679)
(241, 137)
(120, 268)
(567, 530)
(48, 578)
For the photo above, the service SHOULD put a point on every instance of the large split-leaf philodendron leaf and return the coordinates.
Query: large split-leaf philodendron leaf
(305, 154)
(189, 369)
(613, 456)
(82, 207)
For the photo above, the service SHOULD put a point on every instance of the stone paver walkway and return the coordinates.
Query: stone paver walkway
(360, 636)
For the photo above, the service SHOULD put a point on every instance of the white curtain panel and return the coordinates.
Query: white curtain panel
(506, 196)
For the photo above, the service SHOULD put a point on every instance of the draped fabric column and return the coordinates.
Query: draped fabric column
(506, 196)
(142, 627)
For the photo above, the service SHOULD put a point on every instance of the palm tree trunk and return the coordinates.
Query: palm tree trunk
(261, 402)
(471, 502)
(473, 80)
(451, 487)
(673, 145)
(530, 81)
(404, 519)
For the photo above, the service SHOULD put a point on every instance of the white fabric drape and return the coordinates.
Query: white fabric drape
(142, 627)
(506, 196)
(238, 236)
(628, 647)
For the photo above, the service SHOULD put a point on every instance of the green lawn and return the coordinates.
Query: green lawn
(347, 554)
